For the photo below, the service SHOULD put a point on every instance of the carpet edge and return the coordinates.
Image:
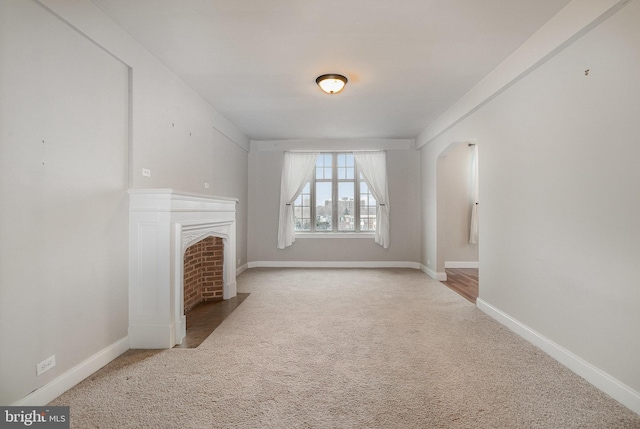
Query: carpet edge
(594, 375)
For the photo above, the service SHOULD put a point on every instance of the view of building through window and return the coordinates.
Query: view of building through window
(333, 200)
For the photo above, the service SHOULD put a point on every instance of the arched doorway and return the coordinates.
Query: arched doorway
(456, 193)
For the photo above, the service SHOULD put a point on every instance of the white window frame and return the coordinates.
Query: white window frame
(335, 233)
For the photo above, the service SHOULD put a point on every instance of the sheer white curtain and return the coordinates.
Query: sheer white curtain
(296, 171)
(473, 227)
(373, 166)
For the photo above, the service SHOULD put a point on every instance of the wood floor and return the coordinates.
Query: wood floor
(464, 281)
(205, 317)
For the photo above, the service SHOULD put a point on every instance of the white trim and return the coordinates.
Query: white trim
(75, 375)
(461, 264)
(330, 145)
(334, 264)
(241, 269)
(441, 277)
(90, 22)
(314, 235)
(162, 222)
(600, 379)
(229, 130)
(155, 336)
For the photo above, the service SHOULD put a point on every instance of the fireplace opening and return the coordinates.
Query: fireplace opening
(203, 272)
(163, 224)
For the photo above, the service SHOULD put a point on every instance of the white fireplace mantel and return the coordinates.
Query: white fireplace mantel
(163, 223)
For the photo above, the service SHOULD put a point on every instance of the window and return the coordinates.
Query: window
(334, 200)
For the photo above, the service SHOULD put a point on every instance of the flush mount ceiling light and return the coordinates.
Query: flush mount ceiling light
(331, 83)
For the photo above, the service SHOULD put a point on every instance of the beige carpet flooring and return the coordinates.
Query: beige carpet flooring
(345, 348)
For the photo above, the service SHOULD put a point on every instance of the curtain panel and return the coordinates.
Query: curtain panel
(473, 227)
(373, 166)
(296, 171)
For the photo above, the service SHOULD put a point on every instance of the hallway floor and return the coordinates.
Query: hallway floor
(464, 281)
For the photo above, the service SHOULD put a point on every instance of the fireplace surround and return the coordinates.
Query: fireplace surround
(163, 223)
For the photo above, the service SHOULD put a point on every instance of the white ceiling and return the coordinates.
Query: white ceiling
(256, 61)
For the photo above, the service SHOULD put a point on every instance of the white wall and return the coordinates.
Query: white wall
(265, 169)
(175, 133)
(559, 186)
(105, 109)
(63, 182)
(454, 201)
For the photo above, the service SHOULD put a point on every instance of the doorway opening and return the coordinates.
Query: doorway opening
(457, 218)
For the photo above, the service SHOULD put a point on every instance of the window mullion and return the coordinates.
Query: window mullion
(356, 203)
(334, 192)
(312, 209)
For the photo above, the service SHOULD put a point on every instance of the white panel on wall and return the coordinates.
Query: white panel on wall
(63, 180)
(148, 264)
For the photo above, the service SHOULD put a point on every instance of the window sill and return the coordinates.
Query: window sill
(335, 235)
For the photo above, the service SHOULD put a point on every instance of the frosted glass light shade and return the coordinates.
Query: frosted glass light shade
(331, 83)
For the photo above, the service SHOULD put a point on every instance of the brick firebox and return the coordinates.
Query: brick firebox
(203, 272)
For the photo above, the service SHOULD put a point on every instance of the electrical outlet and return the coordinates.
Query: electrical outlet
(46, 365)
(206, 185)
(146, 172)
(239, 261)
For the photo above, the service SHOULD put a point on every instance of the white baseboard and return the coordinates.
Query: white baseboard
(152, 336)
(232, 290)
(600, 379)
(334, 264)
(75, 375)
(241, 269)
(441, 277)
(461, 264)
